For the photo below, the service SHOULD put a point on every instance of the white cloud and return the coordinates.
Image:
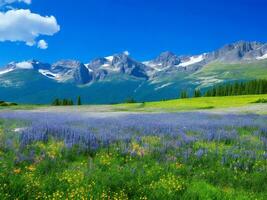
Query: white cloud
(24, 65)
(42, 44)
(24, 26)
(4, 2)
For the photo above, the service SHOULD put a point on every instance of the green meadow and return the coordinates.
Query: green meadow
(189, 104)
(148, 151)
(201, 103)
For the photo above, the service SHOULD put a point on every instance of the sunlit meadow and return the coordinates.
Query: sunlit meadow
(193, 155)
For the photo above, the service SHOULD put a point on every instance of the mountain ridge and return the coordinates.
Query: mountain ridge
(160, 78)
(99, 68)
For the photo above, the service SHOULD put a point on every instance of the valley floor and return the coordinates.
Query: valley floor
(229, 104)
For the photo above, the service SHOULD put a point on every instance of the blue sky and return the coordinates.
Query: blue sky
(96, 28)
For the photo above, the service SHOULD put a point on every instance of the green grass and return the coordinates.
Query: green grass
(191, 104)
(22, 107)
(234, 71)
(216, 72)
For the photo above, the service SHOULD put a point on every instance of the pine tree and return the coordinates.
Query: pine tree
(79, 102)
(64, 102)
(56, 102)
(197, 93)
(70, 102)
(184, 94)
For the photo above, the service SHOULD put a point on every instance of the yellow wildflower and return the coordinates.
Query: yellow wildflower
(17, 171)
(178, 165)
(31, 168)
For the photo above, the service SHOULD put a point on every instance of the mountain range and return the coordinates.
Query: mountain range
(115, 78)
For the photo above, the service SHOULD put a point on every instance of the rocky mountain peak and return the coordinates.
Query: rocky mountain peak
(238, 51)
(68, 63)
(167, 58)
(166, 55)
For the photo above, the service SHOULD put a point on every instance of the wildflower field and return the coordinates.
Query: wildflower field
(192, 155)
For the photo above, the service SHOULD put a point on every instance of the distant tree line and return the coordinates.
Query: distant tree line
(66, 102)
(238, 88)
(231, 89)
(130, 100)
(184, 94)
(3, 103)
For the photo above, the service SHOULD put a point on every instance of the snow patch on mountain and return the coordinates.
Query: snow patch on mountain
(49, 74)
(192, 60)
(209, 81)
(13, 66)
(110, 58)
(163, 86)
(157, 67)
(87, 66)
(24, 65)
(6, 71)
(109, 67)
(262, 57)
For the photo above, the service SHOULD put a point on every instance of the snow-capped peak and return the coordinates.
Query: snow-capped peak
(13, 66)
(110, 58)
(24, 65)
(127, 53)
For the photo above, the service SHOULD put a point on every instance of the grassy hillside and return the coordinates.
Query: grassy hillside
(193, 103)
(218, 72)
(29, 87)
